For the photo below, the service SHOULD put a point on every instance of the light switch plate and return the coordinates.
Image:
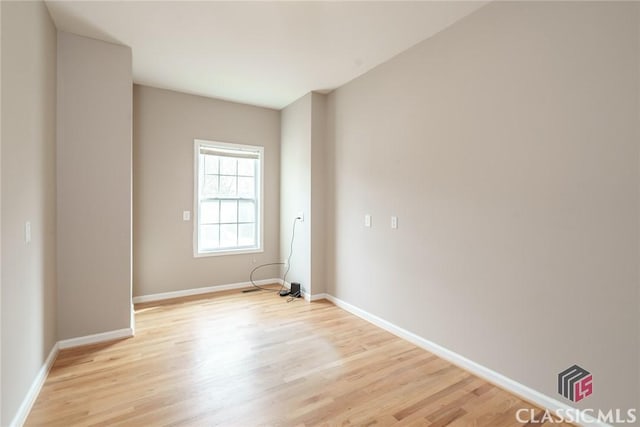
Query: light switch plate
(367, 220)
(394, 222)
(186, 215)
(27, 232)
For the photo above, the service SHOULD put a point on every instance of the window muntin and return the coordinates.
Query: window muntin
(228, 198)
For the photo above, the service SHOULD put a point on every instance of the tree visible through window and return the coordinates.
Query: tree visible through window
(228, 211)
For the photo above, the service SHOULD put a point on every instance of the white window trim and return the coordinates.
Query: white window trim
(196, 199)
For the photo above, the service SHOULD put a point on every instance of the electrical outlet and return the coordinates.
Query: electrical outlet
(186, 215)
(367, 220)
(27, 232)
(394, 222)
(300, 216)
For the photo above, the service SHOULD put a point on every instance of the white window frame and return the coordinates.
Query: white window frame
(196, 198)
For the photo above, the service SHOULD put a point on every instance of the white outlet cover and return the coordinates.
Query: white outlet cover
(367, 220)
(186, 215)
(27, 232)
(394, 222)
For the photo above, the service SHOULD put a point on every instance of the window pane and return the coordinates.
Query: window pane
(228, 235)
(247, 211)
(228, 165)
(228, 197)
(246, 235)
(246, 167)
(209, 212)
(210, 164)
(246, 187)
(229, 211)
(209, 237)
(210, 187)
(227, 186)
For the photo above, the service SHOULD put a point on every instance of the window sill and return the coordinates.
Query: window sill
(227, 252)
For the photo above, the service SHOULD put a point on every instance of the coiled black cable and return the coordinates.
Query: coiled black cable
(288, 264)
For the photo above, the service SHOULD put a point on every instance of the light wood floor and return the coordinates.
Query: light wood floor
(234, 359)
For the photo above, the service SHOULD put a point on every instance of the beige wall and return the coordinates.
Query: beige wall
(638, 241)
(295, 189)
(319, 212)
(165, 125)
(302, 189)
(94, 186)
(1, 215)
(507, 145)
(28, 194)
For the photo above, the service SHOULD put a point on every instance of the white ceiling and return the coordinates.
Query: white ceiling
(261, 53)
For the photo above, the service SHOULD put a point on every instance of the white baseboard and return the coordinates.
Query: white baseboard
(95, 338)
(317, 297)
(198, 291)
(483, 372)
(305, 294)
(490, 375)
(33, 392)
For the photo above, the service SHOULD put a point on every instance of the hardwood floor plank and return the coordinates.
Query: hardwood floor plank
(234, 359)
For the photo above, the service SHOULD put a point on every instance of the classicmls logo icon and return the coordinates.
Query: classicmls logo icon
(575, 383)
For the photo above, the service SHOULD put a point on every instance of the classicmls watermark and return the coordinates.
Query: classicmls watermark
(572, 415)
(575, 383)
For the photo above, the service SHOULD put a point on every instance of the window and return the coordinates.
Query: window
(228, 198)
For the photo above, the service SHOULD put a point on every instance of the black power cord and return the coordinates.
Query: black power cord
(288, 264)
(294, 296)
